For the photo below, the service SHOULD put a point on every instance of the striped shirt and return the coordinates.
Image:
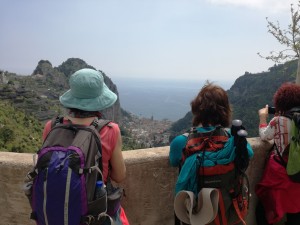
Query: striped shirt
(279, 130)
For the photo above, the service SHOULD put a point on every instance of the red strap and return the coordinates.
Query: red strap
(208, 143)
(216, 170)
(238, 212)
(217, 220)
(222, 208)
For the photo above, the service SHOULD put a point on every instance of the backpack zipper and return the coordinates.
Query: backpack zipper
(45, 197)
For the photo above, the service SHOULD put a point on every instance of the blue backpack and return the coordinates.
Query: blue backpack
(63, 181)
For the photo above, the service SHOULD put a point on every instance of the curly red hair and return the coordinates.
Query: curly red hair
(286, 97)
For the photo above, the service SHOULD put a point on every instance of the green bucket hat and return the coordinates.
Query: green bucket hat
(88, 92)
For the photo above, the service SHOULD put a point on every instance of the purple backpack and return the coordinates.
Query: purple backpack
(65, 175)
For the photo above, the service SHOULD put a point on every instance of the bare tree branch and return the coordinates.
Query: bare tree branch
(289, 38)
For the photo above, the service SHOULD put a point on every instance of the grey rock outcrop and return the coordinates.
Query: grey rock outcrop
(38, 93)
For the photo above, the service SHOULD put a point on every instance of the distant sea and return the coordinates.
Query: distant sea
(162, 99)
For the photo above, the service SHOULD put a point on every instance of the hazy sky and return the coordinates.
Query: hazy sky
(178, 39)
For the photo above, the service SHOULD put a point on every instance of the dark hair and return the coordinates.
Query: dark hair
(211, 106)
(286, 97)
(78, 113)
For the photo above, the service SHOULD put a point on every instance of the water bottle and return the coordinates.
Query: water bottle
(100, 190)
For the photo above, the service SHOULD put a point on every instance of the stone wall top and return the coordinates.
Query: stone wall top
(149, 186)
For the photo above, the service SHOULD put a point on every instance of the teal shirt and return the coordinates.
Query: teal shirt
(188, 171)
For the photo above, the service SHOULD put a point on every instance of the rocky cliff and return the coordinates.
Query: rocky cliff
(247, 95)
(38, 93)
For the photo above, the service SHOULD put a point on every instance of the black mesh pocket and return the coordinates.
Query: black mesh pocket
(98, 206)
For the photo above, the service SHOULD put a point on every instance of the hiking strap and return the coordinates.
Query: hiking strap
(293, 114)
(238, 203)
(100, 123)
(90, 219)
(217, 220)
(218, 133)
(222, 208)
(221, 215)
(279, 159)
(32, 174)
(238, 211)
(89, 170)
(97, 122)
(212, 140)
(33, 216)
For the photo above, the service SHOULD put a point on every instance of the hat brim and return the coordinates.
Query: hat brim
(105, 100)
(206, 207)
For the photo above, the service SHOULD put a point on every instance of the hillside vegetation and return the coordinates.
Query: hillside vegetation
(248, 94)
(36, 97)
(28, 101)
(19, 132)
(251, 92)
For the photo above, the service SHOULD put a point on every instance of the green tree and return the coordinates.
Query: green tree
(6, 134)
(289, 38)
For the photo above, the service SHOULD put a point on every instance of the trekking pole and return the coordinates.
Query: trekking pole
(240, 142)
(235, 127)
(242, 151)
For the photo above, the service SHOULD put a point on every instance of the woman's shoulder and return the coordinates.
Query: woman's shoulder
(180, 139)
(110, 128)
(113, 125)
(279, 120)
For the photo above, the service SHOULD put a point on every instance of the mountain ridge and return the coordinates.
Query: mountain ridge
(37, 95)
(247, 95)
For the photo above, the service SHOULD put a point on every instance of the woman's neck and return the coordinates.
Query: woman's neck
(81, 121)
(208, 125)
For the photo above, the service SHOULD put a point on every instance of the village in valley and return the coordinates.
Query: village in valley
(148, 132)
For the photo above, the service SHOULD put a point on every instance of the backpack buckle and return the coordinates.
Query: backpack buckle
(95, 123)
(88, 219)
(31, 175)
(103, 214)
(85, 170)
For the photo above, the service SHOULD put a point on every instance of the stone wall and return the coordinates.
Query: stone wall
(148, 187)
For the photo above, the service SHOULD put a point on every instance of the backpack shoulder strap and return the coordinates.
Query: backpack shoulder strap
(296, 116)
(293, 114)
(100, 123)
(97, 123)
(185, 134)
(211, 140)
(280, 159)
(217, 131)
(57, 120)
